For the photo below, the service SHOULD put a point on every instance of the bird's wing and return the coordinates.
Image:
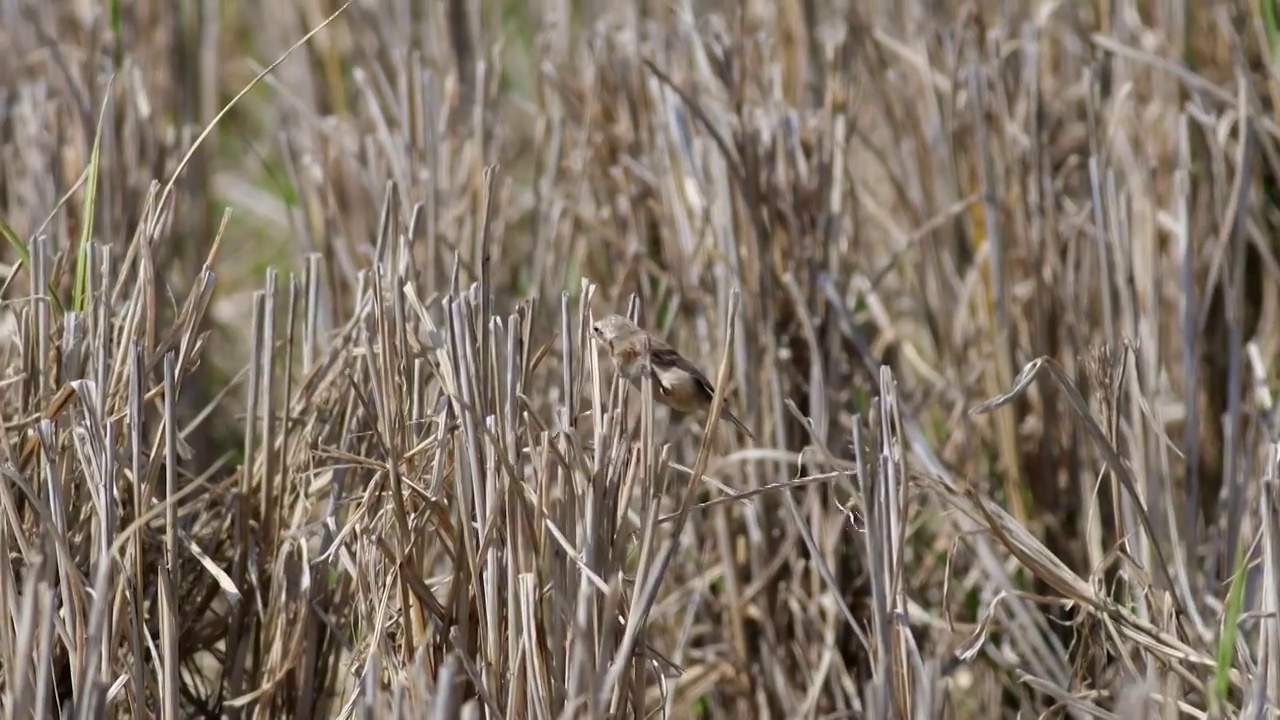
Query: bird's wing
(667, 356)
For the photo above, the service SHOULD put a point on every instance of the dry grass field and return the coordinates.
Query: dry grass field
(302, 417)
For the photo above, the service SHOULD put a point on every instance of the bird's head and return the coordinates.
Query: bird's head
(613, 328)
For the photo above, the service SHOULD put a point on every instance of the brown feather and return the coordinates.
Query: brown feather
(678, 383)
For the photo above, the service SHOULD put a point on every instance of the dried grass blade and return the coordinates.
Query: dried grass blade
(1029, 374)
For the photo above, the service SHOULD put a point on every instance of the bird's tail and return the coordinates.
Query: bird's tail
(734, 419)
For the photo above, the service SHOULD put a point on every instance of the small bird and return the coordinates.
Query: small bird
(678, 383)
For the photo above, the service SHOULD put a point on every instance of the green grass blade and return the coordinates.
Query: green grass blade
(24, 255)
(78, 298)
(1270, 26)
(1230, 627)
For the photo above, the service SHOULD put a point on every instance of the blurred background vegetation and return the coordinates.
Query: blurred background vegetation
(300, 418)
